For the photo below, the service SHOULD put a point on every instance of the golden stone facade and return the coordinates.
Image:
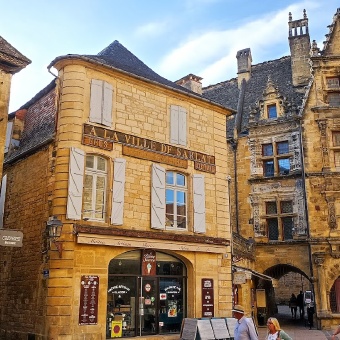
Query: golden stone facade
(131, 152)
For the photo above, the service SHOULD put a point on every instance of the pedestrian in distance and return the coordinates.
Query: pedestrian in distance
(310, 314)
(293, 305)
(275, 332)
(244, 328)
(337, 331)
(300, 304)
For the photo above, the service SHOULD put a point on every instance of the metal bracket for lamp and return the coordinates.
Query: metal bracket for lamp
(53, 231)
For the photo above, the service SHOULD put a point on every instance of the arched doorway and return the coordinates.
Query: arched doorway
(146, 294)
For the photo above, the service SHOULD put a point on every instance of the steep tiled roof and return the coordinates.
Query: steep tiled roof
(279, 71)
(11, 60)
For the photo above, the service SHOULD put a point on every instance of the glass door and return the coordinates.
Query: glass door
(147, 306)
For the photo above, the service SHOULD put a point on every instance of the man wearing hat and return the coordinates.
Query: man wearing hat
(244, 329)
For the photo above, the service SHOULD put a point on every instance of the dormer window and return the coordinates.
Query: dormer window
(271, 111)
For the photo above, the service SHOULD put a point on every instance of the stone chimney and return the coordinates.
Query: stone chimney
(191, 82)
(244, 60)
(299, 43)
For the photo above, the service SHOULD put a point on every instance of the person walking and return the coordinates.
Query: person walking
(244, 328)
(310, 314)
(275, 331)
(293, 305)
(300, 304)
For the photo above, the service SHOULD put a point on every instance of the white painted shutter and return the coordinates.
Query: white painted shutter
(199, 203)
(75, 184)
(158, 197)
(2, 200)
(174, 113)
(107, 104)
(96, 101)
(117, 209)
(8, 135)
(182, 126)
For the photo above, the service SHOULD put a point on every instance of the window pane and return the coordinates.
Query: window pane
(282, 148)
(286, 207)
(273, 229)
(333, 82)
(271, 208)
(90, 162)
(100, 197)
(180, 180)
(101, 164)
(169, 208)
(287, 224)
(272, 113)
(267, 150)
(284, 166)
(334, 99)
(337, 159)
(268, 168)
(170, 177)
(336, 138)
(87, 196)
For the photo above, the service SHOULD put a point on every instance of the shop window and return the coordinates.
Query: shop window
(178, 125)
(271, 111)
(143, 302)
(95, 182)
(170, 197)
(334, 296)
(101, 102)
(176, 200)
(2, 199)
(276, 159)
(279, 220)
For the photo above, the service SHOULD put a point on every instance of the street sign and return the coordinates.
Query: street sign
(11, 238)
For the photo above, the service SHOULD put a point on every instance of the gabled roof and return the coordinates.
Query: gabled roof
(120, 58)
(332, 32)
(11, 60)
(227, 93)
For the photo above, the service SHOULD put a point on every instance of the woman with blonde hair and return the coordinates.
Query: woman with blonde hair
(275, 332)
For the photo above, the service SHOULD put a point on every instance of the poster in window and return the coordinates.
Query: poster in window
(149, 262)
(172, 309)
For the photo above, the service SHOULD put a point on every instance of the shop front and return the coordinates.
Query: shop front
(146, 294)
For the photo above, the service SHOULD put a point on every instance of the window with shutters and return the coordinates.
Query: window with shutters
(176, 201)
(95, 185)
(101, 102)
(279, 219)
(178, 125)
(276, 159)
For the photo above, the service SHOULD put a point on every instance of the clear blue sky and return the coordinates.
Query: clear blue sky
(173, 37)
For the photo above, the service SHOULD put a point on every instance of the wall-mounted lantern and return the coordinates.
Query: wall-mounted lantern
(53, 231)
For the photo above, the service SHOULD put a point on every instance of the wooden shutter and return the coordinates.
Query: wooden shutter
(107, 104)
(96, 101)
(2, 200)
(174, 113)
(182, 126)
(158, 197)
(117, 209)
(75, 184)
(8, 136)
(199, 203)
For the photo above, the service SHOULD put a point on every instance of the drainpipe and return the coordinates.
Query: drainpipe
(233, 144)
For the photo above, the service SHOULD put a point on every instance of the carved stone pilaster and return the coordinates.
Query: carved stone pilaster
(322, 124)
(331, 212)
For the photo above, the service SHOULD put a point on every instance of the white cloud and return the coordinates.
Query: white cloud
(212, 55)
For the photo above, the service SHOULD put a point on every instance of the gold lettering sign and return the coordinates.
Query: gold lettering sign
(104, 139)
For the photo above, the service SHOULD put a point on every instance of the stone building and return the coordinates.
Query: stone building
(132, 167)
(321, 142)
(264, 140)
(277, 236)
(11, 62)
